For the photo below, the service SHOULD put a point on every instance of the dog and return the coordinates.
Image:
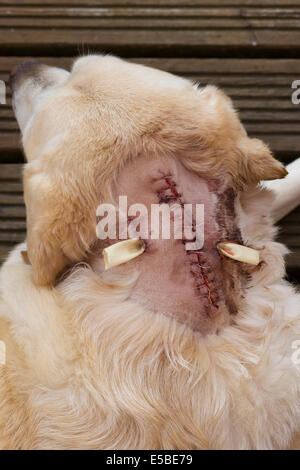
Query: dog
(174, 349)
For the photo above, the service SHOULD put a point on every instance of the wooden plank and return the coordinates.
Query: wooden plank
(49, 39)
(126, 18)
(12, 236)
(8, 125)
(13, 224)
(156, 23)
(10, 172)
(143, 25)
(12, 212)
(12, 187)
(142, 11)
(9, 142)
(10, 199)
(199, 24)
(273, 115)
(39, 39)
(156, 3)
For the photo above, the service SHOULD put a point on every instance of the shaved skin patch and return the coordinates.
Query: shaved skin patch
(196, 287)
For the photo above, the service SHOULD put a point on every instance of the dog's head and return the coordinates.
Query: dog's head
(110, 127)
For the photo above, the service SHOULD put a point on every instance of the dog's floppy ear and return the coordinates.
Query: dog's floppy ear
(60, 226)
(249, 160)
(256, 162)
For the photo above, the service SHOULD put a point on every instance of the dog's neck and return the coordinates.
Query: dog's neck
(177, 277)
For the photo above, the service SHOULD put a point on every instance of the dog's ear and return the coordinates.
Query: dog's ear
(248, 160)
(60, 223)
(256, 162)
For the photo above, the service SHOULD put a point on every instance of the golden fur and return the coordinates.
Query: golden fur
(86, 366)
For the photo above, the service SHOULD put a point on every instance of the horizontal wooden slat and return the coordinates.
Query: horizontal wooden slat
(10, 199)
(11, 173)
(260, 88)
(138, 25)
(12, 212)
(51, 38)
(14, 187)
(157, 3)
(149, 18)
(114, 39)
(199, 24)
(12, 224)
(143, 11)
(12, 236)
(9, 141)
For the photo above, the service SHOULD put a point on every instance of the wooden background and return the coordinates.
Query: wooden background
(250, 48)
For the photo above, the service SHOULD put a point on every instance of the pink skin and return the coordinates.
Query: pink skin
(186, 285)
